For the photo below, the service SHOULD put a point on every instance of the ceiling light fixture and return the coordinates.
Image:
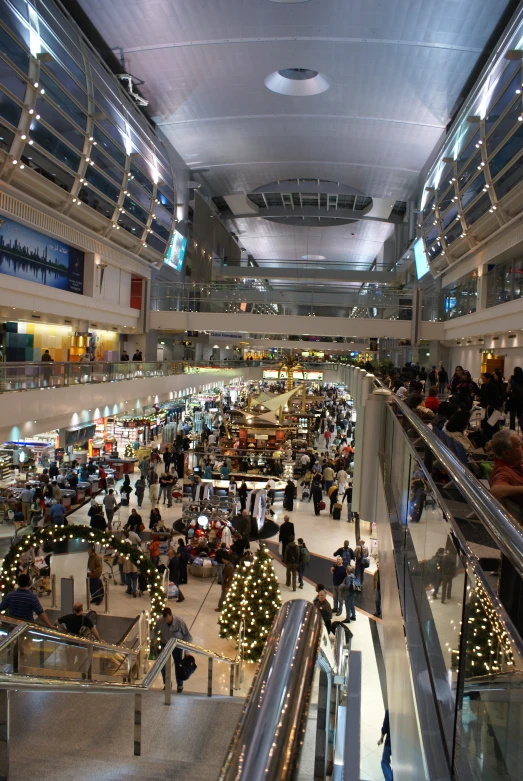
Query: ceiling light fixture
(297, 82)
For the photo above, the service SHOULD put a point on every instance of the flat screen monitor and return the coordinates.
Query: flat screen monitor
(422, 266)
(176, 252)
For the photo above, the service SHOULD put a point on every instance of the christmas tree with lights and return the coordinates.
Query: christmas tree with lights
(253, 600)
(129, 453)
(488, 648)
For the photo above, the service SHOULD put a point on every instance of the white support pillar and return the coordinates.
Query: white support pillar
(375, 409)
(360, 391)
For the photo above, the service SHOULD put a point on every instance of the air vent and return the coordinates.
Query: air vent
(93, 325)
(36, 317)
(68, 322)
(495, 338)
(512, 336)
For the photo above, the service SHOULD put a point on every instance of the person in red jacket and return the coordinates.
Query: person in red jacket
(432, 401)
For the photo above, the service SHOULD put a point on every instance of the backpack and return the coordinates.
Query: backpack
(186, 667)
(356, 584)
(292, 554)
(305, 556)
(346, 556)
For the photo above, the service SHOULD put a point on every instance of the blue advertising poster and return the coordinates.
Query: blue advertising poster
(27, 254)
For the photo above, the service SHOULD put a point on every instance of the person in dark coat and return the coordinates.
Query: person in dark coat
(316, 494)
(183, 560)
(289, 493)
(174, 571)
(242, 493)
(242, 523)
(286, 532)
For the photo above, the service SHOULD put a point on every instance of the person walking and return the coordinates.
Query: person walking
(305, 557)
(154, 490)
(332, 493)
(316, 494)
(289, 493)
(94, 573)
(348, 496)
(339, 572)
(76, 621)
(291, 559)
(227, 577)
(286, 532)
(26, 497)
(173, 566)
(346, 593)
(23, 604)
(387, 749)
(221, 557)
(328, 477)
(130, 572)
(448, 572)
(110, 503)
(166, 627)
(183, 560)
(361, 554)
(324, 609)
(139, 489)
(514, 404)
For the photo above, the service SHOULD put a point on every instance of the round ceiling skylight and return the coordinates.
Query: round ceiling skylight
(298, 82)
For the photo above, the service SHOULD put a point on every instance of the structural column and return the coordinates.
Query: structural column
(375, 409)
(363, 384)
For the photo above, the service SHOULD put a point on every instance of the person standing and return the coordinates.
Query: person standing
(305, 557)
(166, 627)
(387, 749)
(130, 572)
(339, 572)
(316, 494)
(286, 532)
(514, 403)
(94, 573)
(183, 560)
(173, 566)
(348, 496)
(361, 554)
(139, 489)
(166, 458)
(325, 609)
(289, 492)
(26, 497)
(328, 477)
(242, 493)
(227, 577)
(291, 559)
(74, 622)
(153, 490)
(221, 558)
(448, 572)
(124, 356)
(333, 496)
(110, 504)
(376, 585)
(23, 604)
(46, 358)
(347, 592)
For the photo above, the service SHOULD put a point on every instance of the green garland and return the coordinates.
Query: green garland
(8, 573)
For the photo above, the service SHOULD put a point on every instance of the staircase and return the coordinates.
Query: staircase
(61, 737)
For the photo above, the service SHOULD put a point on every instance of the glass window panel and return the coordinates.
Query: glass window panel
(101, 183)
(512, 68)
(468, 152)
(38, 162)
(109, 109)
(139, 195)
(20, 5)
(96, 202)
(156, 243)
(11, 80)
(13, 51)
(509, 179)
(62, 100)
(507, 152)
(476, 211)
(59, 123)
(130, 225)
(158, 228)
(503, 101)
(446, 176)
(142, 146)
(163, 216)
(6, 138)
(140, 177)
(53, 45)
(9, 110)
(166, 182)
(135, 209)
(455, 230)
(166, 203)
(429, 207)
(449, 217)
(61, 27)
(111, 130)
(434, 233)
(48, 141)
(434, 251)
(472, 190)
(505, 126)
(446, 199)
(109, 146)
(65, 80)
(104, 81)
(470, 171)
(12, 20)
(106, 165)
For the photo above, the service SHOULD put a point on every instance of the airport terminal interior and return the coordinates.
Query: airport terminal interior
(232, 549)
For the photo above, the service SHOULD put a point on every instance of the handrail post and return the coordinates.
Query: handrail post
(53, 591)
(87, 594)
(168, 680)
(232, 671)
(106, 594)
(209, 677)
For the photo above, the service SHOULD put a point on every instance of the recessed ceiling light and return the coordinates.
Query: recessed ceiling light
(313, 257)
(297, 82)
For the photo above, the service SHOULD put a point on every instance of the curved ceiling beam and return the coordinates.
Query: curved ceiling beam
(299, 116)
(308, 162)
(305, 39)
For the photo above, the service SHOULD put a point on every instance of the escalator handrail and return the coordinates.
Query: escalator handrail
(507, 533)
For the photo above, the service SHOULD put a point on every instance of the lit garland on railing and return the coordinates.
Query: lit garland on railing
(54, 534)
(488, 646)
(254, 598)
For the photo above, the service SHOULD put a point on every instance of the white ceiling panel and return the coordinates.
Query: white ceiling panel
(396, 69)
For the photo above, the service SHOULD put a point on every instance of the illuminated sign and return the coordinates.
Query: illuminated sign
(176, 252)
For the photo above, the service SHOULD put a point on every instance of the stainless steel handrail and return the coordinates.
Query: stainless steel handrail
(507, 533)
(268, 736)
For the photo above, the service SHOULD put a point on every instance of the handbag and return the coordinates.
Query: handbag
(322, 505)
